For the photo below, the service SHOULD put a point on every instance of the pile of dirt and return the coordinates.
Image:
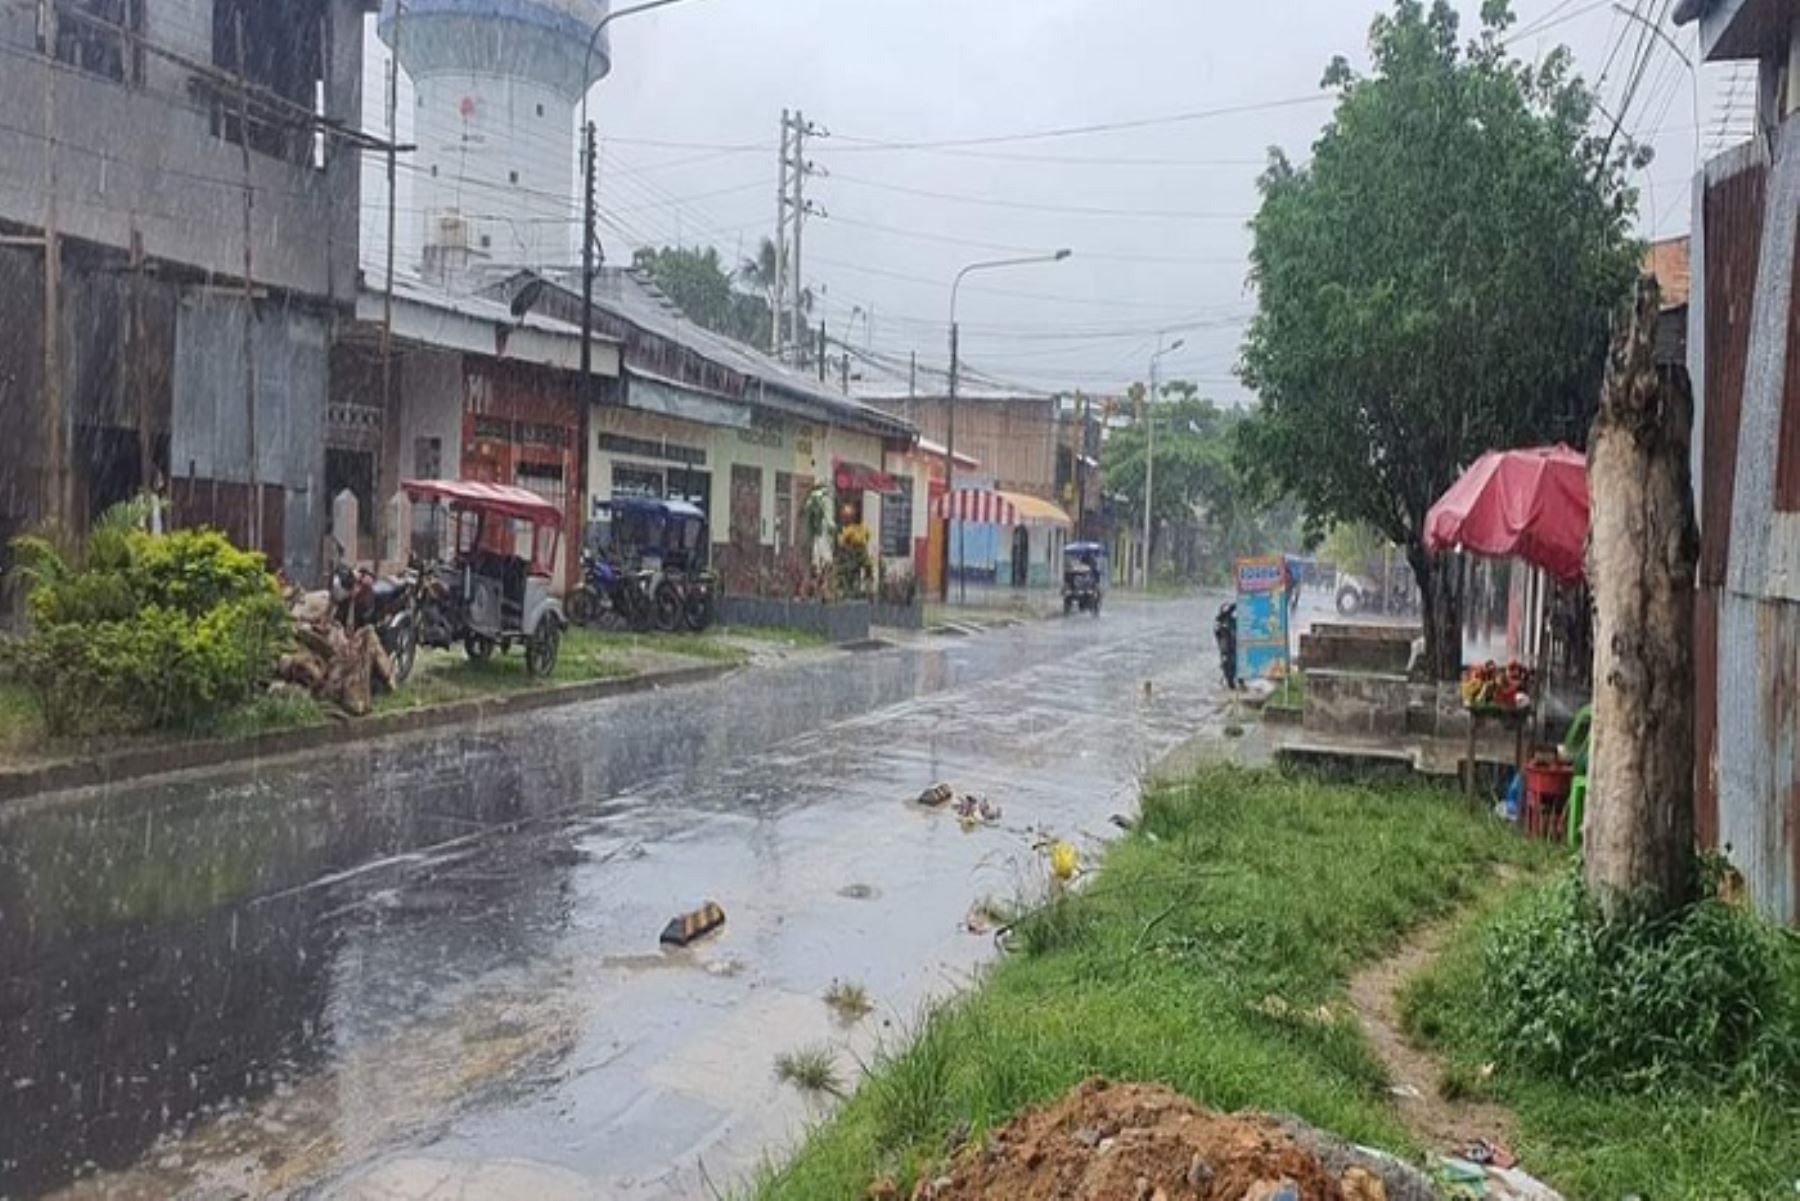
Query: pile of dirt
(1139, 1142)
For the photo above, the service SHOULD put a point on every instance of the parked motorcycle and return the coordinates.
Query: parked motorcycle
(390, 604)
(607, 590)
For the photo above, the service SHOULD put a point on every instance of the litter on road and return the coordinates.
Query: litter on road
(685, 928)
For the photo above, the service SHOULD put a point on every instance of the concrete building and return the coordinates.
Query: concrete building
(178, 196)
(699, 417)
(1743, 356)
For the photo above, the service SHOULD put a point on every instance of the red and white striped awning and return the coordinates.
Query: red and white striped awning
(983, 507)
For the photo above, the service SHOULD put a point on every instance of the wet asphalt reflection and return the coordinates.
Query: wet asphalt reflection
(429, 967)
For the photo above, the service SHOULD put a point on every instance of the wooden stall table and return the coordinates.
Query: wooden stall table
(1515, 716)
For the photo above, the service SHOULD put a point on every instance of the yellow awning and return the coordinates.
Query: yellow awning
(1033, 511)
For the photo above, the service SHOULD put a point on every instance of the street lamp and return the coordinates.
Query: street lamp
(1150, 441)
(588, 205)
(950, 440)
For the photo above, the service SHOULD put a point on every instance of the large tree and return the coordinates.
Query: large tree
(1197, 486)
(1437, 281)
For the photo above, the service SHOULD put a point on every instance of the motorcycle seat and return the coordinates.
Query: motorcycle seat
(388, 588)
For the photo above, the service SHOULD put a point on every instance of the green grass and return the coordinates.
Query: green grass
(1237, 886)
(21, 726)
(1674, 1141)
(1290, 693)
(811, 1070)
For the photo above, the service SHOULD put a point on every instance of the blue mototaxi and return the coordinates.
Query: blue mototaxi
(1084, 577)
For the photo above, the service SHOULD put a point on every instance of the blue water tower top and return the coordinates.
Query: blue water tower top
(545, 41)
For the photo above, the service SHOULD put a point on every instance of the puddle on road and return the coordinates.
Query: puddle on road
(385, 1092)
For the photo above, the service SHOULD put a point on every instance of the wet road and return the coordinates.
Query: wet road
(429, 968)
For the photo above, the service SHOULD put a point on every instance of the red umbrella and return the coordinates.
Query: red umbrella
(1528, 504)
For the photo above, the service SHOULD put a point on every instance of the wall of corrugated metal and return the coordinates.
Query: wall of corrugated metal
(211, 437)
(1747, 619)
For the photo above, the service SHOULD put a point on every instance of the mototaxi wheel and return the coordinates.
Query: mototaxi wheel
(479, 649)
(669, 609)
(583, 605)
(1349, 602)
(542, 648)
(699, 609)
(405, 650)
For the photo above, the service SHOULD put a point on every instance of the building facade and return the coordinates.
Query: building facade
(177, 244)
(1743, 354)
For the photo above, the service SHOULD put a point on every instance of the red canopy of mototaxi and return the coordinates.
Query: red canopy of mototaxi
(495, 498)
(1527, 504)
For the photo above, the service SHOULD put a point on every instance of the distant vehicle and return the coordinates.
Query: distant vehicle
(495, 590)
(1084, 577)
(1358, 594)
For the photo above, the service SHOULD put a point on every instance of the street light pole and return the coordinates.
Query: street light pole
(1150, 443)
(589, 206)
(950, 440)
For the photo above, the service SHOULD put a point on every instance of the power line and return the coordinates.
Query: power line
(1037, 207)
(866, 144)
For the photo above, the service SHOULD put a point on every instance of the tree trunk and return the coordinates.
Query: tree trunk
(1639, 828)
(1440, 610)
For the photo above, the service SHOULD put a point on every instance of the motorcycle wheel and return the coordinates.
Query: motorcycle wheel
(668, 608)
(699, 610)
(640, 614)
(541, 651)
(480, 649)
(404, 651)
(1068, 605)
(1095, 608)
(583, 606)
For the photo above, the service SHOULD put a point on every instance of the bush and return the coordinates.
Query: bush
(149, 631)
(1707, 994)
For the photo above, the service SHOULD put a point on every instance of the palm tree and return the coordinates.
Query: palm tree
(759, 275)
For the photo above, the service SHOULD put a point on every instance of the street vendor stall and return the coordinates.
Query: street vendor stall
(1530, 505)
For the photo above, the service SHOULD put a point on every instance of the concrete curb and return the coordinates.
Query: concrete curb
(147, 762)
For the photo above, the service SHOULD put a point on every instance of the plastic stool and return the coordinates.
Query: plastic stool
(1577, 803)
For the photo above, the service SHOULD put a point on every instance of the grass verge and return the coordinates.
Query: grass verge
(1672, 1140)
(440, 677)
(1238, 886)
(1290, 694)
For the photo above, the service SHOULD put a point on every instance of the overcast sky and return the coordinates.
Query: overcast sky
(690, 114)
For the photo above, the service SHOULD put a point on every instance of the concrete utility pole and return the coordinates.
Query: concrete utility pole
(950, 422)
(794, 208)
(393, 167)
(256, 505)
(1150, 443)
(56, 472)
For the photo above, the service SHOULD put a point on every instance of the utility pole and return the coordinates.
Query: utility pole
(778, 286)
(950, 464)
(821, 347)
(799, 176)
(256, 505)
(56, 482)
(912, 377)
(588, 237)
(1081, 474)
(844, 371)
(1150, 441)
(387, 299)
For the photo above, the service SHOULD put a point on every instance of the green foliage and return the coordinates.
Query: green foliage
(1237, 886)
(1438, 279)
(148, 631)
(699, 283)
(1198, 481)
(1592, 1138)
(1704, 995)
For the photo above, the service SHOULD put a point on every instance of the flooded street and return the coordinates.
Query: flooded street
(429, 968)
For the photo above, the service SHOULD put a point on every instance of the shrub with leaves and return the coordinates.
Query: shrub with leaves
(145, 630)
(1708, 994)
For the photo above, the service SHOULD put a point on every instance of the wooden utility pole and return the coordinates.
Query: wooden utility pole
(778, 289)
(1638, 831)
(137, 355)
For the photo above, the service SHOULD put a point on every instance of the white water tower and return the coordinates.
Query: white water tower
(497, 83)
